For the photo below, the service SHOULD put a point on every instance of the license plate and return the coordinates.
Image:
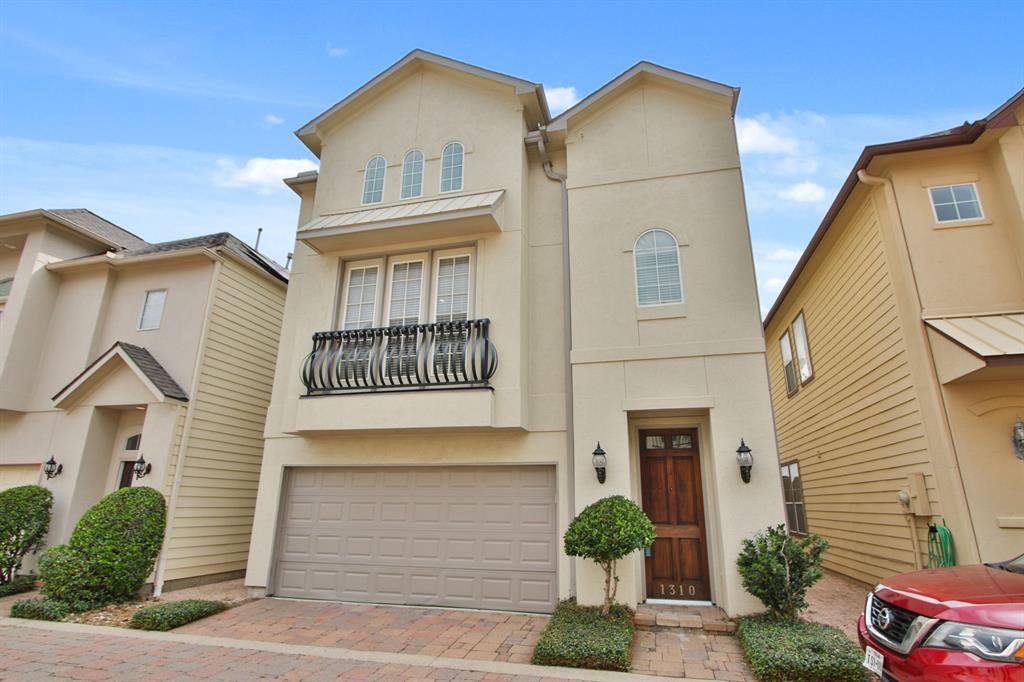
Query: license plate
(873, 660)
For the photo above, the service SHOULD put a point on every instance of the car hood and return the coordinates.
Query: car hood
(969, 594)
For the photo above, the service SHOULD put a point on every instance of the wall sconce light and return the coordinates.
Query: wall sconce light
(142, 467)
(1018, 437)
(52, 469)
(746, 460)
(600, 462)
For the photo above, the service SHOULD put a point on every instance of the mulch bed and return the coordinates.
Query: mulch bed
(119, 615)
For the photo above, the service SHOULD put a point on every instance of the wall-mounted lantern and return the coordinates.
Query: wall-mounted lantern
(52, 469)
(1018, 437)
(746, 460)
(142, 467)
(600, 462)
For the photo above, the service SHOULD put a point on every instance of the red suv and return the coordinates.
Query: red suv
(958, 623)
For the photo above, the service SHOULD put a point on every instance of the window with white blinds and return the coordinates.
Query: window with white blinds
(361, 297)
(452, 296)
(152, 309)
(406, 290)
(658, 277)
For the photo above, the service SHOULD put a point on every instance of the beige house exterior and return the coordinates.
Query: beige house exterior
(481, 294)
(112, 349)
(911, 377)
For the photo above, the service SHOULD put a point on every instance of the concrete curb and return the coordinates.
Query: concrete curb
(382, 657)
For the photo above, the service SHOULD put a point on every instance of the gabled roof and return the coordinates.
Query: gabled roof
(86, 223)
(967, 133)
(537, 109)
(140, 360)
(641, 70)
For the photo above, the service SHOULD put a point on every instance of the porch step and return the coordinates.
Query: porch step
(707, 618)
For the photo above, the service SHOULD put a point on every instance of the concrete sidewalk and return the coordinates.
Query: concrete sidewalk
(38, 650)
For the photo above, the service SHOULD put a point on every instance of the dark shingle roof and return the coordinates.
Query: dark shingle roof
(146, 363)
(101, 227)
(209, 241)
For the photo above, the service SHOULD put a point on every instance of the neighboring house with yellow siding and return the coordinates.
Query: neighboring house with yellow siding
(896, 354)
(129, 363)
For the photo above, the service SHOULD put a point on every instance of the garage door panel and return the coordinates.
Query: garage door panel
(481, 537)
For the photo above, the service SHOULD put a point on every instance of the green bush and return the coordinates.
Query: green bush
(24, 521)
(21, 583)
(793, 650)
(777, 568)
(583, 637)
(173, 614)
(39, 609)
(606, 531)
(111, 552)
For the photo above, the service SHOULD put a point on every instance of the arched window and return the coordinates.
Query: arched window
(133, 442)
(451, 167)
(658, 278)
(5, 286)
(412, 174)
(373, 183)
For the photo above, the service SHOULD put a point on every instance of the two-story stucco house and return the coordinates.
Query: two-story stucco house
(128, 363)
(482, 296)
(896, 353)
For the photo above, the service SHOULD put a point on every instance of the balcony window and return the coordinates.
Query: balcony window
(361, 297)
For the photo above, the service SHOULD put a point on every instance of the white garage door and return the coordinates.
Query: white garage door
(478, 537)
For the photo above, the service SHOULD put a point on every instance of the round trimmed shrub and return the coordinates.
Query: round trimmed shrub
(111, 551)
(605, 532)
(778, 568)
(24, 522)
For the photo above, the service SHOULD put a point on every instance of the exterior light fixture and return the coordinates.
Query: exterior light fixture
(600, 462)
(142, 467)
(746, 460)
(52, 469)
(1018, 437)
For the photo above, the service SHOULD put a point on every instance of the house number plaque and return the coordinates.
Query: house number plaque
(677, 590)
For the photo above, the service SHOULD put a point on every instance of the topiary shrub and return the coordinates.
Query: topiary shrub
(24, 522)
(111, 552)
(39, 609)
(606, 531)
(584, 637)
(777, 568)
(793, 650)
(173, 614)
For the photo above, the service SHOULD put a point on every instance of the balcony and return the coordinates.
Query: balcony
(439, 355)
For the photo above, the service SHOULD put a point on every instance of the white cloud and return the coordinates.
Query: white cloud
(263, 174)
(336, 52)
(755, 137)
(782, 255)
(805, 192)
(774, 284)
(561, 98)
(271, 120)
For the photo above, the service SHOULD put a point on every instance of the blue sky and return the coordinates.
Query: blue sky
(175, 118)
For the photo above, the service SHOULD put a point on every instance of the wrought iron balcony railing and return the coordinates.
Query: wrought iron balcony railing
(420, 356)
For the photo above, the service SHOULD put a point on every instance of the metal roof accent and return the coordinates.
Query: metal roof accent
(418, 211)
(984, 335)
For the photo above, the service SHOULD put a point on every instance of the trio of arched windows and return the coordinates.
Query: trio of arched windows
(412, 173)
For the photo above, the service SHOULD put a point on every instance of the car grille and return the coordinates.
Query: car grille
(900, 620)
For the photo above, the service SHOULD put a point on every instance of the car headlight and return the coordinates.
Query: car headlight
(994, 644)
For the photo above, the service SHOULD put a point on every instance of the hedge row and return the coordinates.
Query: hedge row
(173, 614)
(580, 637)
(793, 650)
(39, 609)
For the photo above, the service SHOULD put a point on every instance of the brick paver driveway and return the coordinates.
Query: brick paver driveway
(448, 633)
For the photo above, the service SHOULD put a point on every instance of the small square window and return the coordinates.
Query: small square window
(152, 309)
(654, 443)
(955, 202)
(682, 442)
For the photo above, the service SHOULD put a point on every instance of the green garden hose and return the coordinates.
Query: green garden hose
(940, 547)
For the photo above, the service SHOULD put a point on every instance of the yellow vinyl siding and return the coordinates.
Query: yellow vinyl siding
(856, 426)
(213, 520)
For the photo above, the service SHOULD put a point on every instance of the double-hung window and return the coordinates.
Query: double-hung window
(152, 309)
(796, 355)
(793, 495)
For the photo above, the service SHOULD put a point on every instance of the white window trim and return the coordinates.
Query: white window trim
(436, 270)
(977, 196)
(425, 289)
(423, 172)
(636, 275)
(349, 266)
(383, 182)
(142, 312)
(440, 169)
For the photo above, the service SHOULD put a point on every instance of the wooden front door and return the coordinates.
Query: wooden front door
(677, 563)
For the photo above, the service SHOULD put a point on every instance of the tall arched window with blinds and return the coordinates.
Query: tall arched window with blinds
(658, 276)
